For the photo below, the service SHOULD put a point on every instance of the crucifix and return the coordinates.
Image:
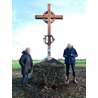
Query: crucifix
(49, 17)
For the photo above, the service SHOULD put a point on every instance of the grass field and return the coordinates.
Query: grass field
(79, 63)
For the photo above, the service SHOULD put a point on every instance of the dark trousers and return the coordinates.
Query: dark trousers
(68, 68)
(24, 79)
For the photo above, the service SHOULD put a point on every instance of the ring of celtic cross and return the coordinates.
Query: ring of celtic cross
(46, 14)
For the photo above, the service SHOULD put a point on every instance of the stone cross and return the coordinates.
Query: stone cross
(49, 17)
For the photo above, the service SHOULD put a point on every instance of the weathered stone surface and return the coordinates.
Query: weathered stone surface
(49, 72)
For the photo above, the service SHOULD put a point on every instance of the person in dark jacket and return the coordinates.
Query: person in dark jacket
(70, 54)
(26, 65)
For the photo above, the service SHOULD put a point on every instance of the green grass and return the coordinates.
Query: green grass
(15, 64)
(79, 63)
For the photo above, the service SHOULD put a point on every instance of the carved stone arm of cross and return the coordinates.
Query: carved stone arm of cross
(57, 17)
(40, 17)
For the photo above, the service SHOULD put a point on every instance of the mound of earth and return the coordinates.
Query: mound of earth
(49, 72)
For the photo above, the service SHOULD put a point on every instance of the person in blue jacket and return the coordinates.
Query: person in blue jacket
(26, 65)
(70, 54)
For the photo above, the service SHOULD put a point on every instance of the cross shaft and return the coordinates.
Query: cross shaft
(49, 17)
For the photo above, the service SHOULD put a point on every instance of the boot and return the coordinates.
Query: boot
(75, 80)
(67, 79)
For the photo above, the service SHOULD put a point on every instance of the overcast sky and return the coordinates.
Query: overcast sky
(29, 32)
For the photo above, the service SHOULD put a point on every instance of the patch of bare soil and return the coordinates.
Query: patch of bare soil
(41, 91)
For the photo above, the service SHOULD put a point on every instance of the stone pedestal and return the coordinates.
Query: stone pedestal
(49, 72)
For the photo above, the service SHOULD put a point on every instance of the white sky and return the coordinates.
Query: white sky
(72, 29)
